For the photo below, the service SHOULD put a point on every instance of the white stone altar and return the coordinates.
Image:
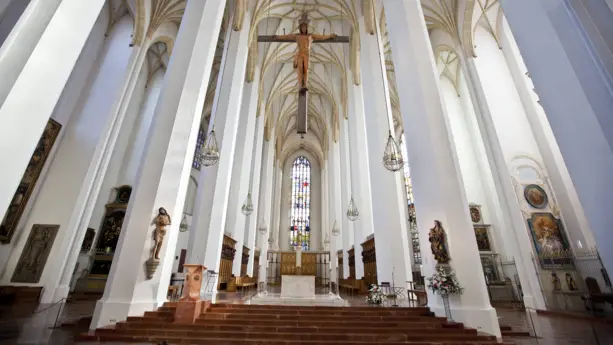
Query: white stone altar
(297, 286)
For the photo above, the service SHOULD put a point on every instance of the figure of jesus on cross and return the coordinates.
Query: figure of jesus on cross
(301, 62)
(304, 41)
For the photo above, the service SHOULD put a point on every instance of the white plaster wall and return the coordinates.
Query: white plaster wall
(474, 175)
(81, 135)
(183, 240)
(78, 84)
(316, 233)
(512, 126)
(576, 224)
(140, 129)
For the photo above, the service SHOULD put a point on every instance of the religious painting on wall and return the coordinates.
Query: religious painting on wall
(35, 254)
(536, 196)
(483, 238)
(475, 214)
(549, 239)
(28, 181)
(111, 228)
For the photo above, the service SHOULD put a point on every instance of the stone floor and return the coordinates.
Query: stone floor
(550, 330)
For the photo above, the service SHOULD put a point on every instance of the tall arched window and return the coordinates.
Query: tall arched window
(301, 203)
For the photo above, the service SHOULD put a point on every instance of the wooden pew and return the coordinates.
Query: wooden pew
(244, 282)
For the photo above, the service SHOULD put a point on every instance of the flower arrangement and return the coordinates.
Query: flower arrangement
(375, 295)
(444, 282)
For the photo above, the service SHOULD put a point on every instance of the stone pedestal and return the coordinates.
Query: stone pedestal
(298, 287)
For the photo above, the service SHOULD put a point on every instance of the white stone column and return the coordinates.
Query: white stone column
(335, 206)
(266, 204)
(254, 219)
(23, 119)
(388, 191)
(164, 171)
(360, 174)
(346, 189)
(439, 193)
(281, 237)
(211, 208)
(510, 208)
(240, 187)
(325, 232)
(569, 82)
(23, 38)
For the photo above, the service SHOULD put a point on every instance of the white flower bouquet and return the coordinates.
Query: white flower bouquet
(444, 282)
(375, 295)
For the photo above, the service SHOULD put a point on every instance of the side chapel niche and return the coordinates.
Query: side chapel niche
(106, 245)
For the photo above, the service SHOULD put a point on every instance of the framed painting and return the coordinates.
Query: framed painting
(28, 181)
(535, 196)
(35, 254)
(483, 238)
(549, 240)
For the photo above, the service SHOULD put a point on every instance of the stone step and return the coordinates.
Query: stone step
(345, 312)
(320, 317)
(295, 336)
(239, 341)
(321, 323)
(239, 327)
(303, 307)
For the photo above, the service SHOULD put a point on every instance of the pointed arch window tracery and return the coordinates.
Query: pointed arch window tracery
(300, 210)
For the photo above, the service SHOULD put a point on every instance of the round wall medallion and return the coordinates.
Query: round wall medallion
(475, 214)
(535, 196)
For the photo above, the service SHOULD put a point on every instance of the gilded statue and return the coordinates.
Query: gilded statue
(161, 221)
(438, 243)
(304, 41)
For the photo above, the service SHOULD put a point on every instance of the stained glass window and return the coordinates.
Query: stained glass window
(300, 217)
(409, 189)
(199, 145)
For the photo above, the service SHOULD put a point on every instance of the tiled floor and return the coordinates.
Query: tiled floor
(550, 330)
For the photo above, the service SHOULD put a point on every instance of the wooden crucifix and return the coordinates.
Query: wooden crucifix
(301, 62)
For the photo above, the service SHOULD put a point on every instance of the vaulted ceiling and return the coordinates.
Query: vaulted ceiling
(333, 66)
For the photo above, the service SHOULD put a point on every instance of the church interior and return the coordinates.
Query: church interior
(306, 171)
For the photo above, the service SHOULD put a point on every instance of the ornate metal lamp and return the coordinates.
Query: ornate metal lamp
(335, 230)
(247, 208)
(392, 157)
(183, 227)
(352, 211)
(262, 227)
(210, 154)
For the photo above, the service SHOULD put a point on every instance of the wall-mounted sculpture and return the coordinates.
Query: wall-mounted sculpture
(161, 221)
(438, 243)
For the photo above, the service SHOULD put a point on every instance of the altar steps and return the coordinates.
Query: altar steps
(234, 324)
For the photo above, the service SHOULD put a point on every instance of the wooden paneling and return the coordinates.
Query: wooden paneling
(244, 261)
(227, 258)
(341, 269)
(256, 265)
(351, 259)
(308, 264)
(369, 258)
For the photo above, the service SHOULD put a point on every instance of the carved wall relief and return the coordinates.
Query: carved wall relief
(35, 253)
(28, 181)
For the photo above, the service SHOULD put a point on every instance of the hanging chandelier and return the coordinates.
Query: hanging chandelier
(262, 227)
(352, 210)
(183, 227)
(392, 157)
(247, 208)
(210, 154)
(335, 230)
